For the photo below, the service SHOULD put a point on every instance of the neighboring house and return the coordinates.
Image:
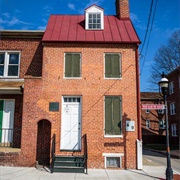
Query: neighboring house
(72, 91)
(152, 120)
(174, 107)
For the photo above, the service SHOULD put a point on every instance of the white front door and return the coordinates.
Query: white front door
(7, 121)
(71, 124)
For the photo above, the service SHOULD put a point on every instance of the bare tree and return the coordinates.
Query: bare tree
(166, 59)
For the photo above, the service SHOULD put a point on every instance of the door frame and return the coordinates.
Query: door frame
(79, 122)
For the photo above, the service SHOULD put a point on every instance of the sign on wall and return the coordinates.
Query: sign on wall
(152, 106)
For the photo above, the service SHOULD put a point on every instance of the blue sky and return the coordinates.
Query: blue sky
(34, 14)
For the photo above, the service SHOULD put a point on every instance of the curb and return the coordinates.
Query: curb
(164, 153)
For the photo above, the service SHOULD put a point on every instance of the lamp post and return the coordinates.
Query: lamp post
(163, 90)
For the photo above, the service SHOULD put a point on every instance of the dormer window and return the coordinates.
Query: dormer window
(94, 18)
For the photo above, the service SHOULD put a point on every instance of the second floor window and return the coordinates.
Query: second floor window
(148, 124)
(172, 109)
(112, 66)
(72, 65)
(171, 87)
(9, 64)
(173, 130)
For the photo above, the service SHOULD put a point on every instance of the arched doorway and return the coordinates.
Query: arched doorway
(43, 142)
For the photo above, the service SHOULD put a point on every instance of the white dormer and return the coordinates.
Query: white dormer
(94, 18)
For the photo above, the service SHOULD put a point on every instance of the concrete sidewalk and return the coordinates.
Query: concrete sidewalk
(24, 173)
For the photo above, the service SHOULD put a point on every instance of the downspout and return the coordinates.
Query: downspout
(138, 95)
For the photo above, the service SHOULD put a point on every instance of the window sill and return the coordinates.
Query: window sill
(113, 136)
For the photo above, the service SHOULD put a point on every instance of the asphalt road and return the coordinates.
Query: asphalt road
(156, 159)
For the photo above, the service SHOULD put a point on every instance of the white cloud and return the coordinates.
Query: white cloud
(41, 27)
(71, 6)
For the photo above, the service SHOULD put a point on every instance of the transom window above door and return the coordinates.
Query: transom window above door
(112, 65)
(9, 64)
(72, 99)
(72, 65)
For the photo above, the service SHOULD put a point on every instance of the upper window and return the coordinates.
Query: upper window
(94, 18)
(173, 129)
(171, 87)
(112, 66)
(172, 109)
(72, 65)
(9, 64)
(113, 120)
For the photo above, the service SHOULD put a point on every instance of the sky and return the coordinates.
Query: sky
(34, 15)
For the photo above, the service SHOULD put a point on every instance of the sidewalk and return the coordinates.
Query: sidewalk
(24, 173)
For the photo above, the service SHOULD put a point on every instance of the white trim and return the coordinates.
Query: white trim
(113, 136)
(80, 65)
(120, 66)
(118, 155)
(6, 63)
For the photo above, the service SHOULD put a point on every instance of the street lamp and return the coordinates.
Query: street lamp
(163, 90)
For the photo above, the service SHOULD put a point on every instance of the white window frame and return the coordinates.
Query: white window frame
(120, 66)
(94, 10)
(148, 125)
(171, 87)
(6, 63)
(117, 155)
(172, 108)
(164, 124)
(160, 111)
(174, 130)
(65, 65)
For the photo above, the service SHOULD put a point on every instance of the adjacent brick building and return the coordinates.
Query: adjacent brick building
(174, 107)
(78, 82)
(152, 120)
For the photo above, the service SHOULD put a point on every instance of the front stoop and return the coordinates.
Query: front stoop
(69, 164)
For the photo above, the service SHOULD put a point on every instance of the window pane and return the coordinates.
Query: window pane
(13, 71)
(2, 58)
(90, 26)
(90, 15)
(98, 16)
(90, 20)
(98, 20)
(1, 70)
(94, 16)
(108, 115)
(13, 58)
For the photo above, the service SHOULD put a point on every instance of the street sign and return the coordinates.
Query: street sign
(152, 106)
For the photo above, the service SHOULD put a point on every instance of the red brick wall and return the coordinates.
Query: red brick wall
(31, 54)
(92, 87)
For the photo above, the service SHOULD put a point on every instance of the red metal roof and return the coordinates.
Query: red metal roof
(71, 28)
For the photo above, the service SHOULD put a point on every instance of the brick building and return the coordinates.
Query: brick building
(174, 107)
(152, 120)
(72, 91)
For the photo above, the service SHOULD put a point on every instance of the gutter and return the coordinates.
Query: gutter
(138, 96)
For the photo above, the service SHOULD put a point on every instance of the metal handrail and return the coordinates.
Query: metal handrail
(85, 153)
(10, 137)
(53, 152)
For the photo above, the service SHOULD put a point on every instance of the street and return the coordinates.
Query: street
(156, 159)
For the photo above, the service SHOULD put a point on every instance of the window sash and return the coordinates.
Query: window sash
(173, 130)
(9, 64)
(112, 66)
(113, 120)
(94, 21)
(172, 109)
(72, 65)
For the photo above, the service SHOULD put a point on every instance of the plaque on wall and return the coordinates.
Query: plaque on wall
(53, 106)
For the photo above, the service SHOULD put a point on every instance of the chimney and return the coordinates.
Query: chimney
(122, 9)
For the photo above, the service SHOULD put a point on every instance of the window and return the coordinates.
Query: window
(112, 162)
(172, 109)
(160, 111)
(112, 66)
(173, 130)
(148, 124)
(113, 115)
(72, 65)
(171, 87)
(162, 124)
(94, 21)
(94, 18)
(9, 64)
